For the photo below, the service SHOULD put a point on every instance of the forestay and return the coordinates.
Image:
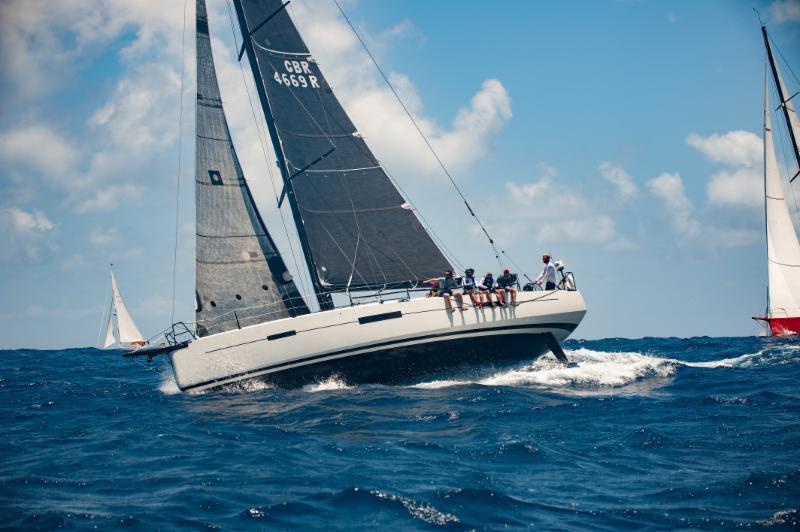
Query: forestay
(241, 278)
(357, 229)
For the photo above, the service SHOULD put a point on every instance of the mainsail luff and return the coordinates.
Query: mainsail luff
(789, 113)
(241, 278)
(783, 248)
(357, 229)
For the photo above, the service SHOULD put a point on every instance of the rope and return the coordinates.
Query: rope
(178, 177)
(424, 137)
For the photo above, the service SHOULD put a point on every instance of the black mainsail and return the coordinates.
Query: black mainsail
(357, 230)
(241, 278)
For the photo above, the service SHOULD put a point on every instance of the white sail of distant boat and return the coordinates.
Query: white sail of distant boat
(783, 247)
(121, 330)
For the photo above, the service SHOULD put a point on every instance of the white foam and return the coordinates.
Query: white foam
(604, 371)
(331, 383)
(168, 385)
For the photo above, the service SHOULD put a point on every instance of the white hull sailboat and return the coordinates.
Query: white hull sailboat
(783, 248)
(121, 331)
(358, 236)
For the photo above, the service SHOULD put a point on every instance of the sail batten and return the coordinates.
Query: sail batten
(241, 278)
(353, 222)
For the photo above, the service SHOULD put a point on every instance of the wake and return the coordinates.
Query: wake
(608, 371)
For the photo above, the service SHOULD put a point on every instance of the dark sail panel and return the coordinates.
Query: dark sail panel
(359, 230)
(241, 278)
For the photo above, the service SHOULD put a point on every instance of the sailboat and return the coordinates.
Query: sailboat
(358, 235)
(121, 331)
(783, 249)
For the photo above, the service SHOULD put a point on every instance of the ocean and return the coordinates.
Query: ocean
(651, 433)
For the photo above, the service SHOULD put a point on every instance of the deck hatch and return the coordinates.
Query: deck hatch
(380, 317)
(284, 334)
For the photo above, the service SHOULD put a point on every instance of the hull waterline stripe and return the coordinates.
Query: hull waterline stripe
(565, 326)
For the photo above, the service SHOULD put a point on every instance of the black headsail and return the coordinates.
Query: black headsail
(357, 230)
(241, 278)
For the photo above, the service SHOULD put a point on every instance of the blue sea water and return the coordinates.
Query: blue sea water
(650, 433)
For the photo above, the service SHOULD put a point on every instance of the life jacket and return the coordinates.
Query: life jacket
(469, 281)
(488, 282)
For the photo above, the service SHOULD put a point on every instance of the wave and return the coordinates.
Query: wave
(592, 370)
(588, 370)
(168, 384)
(331, 383)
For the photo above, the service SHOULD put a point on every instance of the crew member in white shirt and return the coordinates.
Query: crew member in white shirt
(548, 274)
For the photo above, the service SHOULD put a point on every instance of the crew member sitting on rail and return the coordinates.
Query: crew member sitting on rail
(445, 287)
(470, 284)
(505, 285)
(486, 287)
(548, 274)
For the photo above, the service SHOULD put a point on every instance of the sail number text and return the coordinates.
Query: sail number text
(297, 75)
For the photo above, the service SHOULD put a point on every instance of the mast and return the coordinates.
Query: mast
(356, 229)
(788, 112)
(323, 298)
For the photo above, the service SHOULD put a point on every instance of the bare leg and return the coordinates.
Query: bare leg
(449, 303)
(513, 293)
(459, 300)
(501, 296)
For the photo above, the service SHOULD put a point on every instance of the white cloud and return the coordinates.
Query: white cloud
(108, 198)
(44, 41)
(552, 213)
(742, 152)
(24, 233)
(75, 261)
(735, 148)
(40, 149)
(785, 11)
(669, 188)
(626, 188)
(103, 237)
(740, 187)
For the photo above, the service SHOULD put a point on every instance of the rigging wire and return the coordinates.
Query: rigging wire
(424, 137)
(787, 165)
(180, 151)
(266, 157)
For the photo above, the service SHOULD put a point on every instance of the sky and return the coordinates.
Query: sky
(622, 136)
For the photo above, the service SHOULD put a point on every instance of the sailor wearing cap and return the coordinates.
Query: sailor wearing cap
(548, 274)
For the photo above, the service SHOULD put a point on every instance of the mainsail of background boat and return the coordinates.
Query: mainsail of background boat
(241, 278)
(357, 230)
(783, 248)
(121, 330)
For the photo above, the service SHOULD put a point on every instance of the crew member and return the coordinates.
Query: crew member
(505, 285)
(548, 275)
(470, 284)
(445, 287)
(486, 287)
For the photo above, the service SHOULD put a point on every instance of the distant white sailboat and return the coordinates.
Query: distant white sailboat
(121, 331)
(783, 249)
